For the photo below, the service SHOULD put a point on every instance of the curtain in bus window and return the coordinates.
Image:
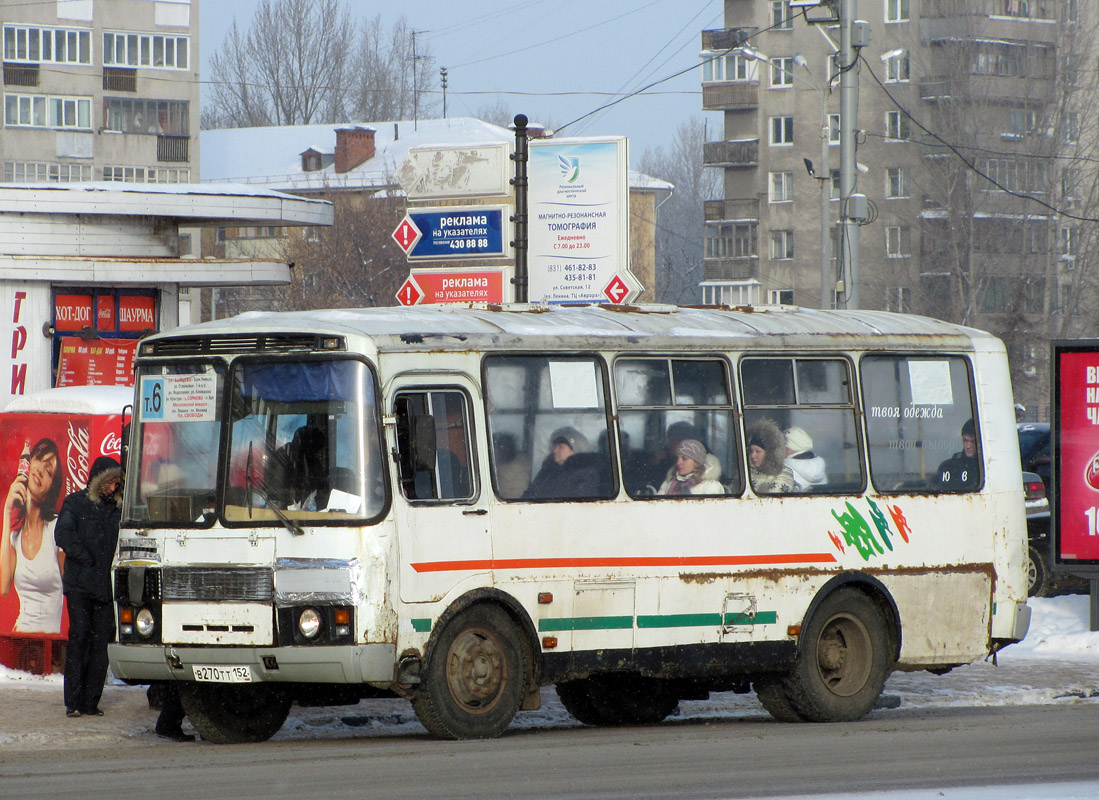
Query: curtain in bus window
(922, 429)
(676, 435)
(547, 420)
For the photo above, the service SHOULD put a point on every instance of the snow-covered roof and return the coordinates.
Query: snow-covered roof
(271, 156)
(73, 400)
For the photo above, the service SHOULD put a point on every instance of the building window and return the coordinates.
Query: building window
(781, 18)
(896, 126)
(1070, 182)
(896, 184)
(782, 72)
(47, 111)
(33, 44)
(44, 172)
(782, 245)
(1021, 122)
(736, 293)
(780, 297)
(898, 298)
(724, 67)
(834, 194)
(833, 129)
(1071, 127)
(896, 68)
(136, 115)
(782, 187)
(999, 58)
(731, 240)
(146, 50)
(782, 130)
(1069, 235)
(993, 299)
(897, 242)
(896, 10)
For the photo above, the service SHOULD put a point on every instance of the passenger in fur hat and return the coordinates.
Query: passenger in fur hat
(766, 451)
(807, 467)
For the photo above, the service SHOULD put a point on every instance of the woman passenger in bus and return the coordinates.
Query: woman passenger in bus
(568, 470)
(766, 453)
(696, 472)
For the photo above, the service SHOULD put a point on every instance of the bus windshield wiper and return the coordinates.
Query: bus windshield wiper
(287, 523)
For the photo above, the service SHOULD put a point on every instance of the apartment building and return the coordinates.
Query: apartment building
(100, 90)
(974, 132)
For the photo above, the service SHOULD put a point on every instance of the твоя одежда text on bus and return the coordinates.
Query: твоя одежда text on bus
(640, 505)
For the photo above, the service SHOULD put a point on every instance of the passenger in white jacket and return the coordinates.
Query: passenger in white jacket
(809, 469)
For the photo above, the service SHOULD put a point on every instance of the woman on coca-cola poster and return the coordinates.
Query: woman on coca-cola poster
(29, 558)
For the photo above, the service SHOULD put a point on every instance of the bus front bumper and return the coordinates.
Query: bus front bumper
(364, 663)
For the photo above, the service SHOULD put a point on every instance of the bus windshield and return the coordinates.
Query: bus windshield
(302, 439)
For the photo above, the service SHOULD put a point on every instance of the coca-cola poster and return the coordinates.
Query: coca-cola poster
(43, 458)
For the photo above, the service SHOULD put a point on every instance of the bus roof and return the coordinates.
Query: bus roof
(494, 327)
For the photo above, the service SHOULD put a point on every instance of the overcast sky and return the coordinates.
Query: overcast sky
(554, 62)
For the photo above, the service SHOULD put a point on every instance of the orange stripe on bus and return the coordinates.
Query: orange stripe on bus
(655, 561)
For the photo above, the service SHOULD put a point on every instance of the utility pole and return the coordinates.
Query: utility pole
(415, 83)
(852, 36)
(442, 75)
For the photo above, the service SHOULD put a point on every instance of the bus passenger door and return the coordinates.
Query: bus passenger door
(440, 507)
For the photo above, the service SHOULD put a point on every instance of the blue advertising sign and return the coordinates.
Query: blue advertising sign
(447, 233)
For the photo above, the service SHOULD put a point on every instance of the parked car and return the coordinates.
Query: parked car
(1037, 520)
(1034, 443)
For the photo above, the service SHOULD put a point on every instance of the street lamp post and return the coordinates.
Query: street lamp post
(827, 279)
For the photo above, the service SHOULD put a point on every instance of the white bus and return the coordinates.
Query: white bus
(459, 506)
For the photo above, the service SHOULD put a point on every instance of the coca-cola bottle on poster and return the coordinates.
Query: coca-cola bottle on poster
(17, 510)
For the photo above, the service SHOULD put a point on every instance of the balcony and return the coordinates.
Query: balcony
(745, 210)
(744, 153)
(989, 88)
(173, 148)
(739, 268)
(726, 38)
(730, 96)
(21, 74)
(975, 25)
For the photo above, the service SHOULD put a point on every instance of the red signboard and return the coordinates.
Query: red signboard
(96, 362)
(1075, 432)
(406, 235)
(459, 286)
(72, 312)
(136, 313)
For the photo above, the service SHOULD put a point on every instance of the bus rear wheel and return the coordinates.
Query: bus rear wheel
(843, 660)
(474, 677)
(231, 713)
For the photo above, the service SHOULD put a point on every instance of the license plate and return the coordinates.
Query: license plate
(215, 673)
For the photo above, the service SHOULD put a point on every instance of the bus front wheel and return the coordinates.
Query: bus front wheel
(474, 677)
(231, 713)
(843, 660)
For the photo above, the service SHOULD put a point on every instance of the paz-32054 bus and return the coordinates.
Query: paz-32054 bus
(639, 505)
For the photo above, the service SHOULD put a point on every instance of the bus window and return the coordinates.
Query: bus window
(921, 424)
(174, 465)
(546, 416)
(803, 411)
(664, 402)
(451, 475)
(303, 443)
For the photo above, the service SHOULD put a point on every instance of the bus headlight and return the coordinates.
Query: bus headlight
(145, 623)
(309, 623)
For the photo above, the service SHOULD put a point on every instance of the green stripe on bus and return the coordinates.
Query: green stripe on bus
(421, 625)
(584, 623)
(705, 620)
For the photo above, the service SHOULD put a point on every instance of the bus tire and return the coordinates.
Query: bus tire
(474, 676)
(772, 696)
(843, 660)
(231, 713)
(1037, 574)
(626, 698)
(576, 699)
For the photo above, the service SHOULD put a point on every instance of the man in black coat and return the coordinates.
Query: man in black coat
(87, 530)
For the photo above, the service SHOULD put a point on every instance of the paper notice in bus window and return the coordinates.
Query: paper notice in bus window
(573, 384)
(179, 398)
(930, 383)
